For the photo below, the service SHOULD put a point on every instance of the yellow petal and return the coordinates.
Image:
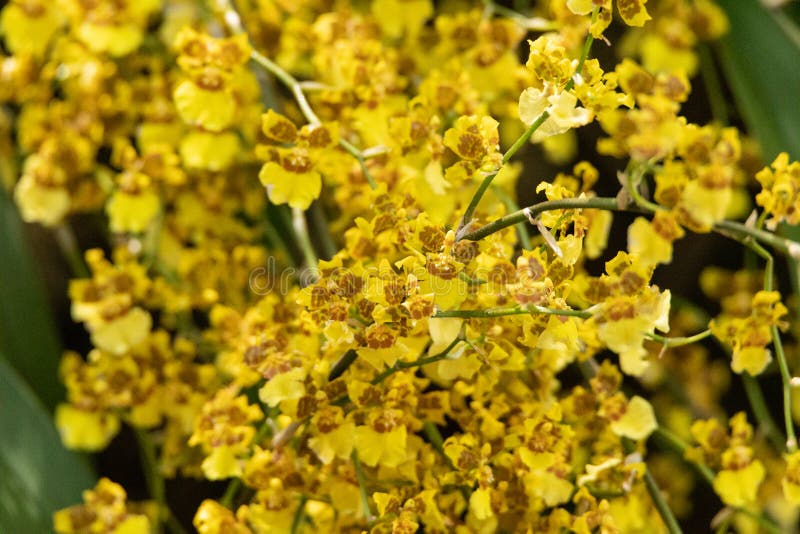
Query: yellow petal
(638, 422)
(633, 12)
(284, 386)
(298, 190)
(26, 32)
(120, 334)
(88, 431)
(44, 205)
(116, 40)
(213, 110)
(132, 213)
(210, 151)
(751, 359)
(739, 487)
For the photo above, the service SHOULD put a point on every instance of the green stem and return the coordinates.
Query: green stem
(152, 240)
(69, 249)
(431, 432)
(342, 364)
(786, 379)
(291, 83)
(740, 231)
(719, 107)
(633, 179)
(301, 231)
(521, 216)
(763, 521)
(522, 230)
(517, 310)
(587, 46)
(522, 139)
(298, 514)
(655, 494)
(152, 476)
(353, 151)
(362, 486)
(734, 230)
(299, 95)
(230, 493)
(172, 523)
(473, 202)
(670, 441)
(400, 365)
(529, 23)
(679, 341)
(780, 355)
(760, 410)
(227, 499)
(232, 20)
(526, 135)
(661, 504)
(487, 181)
(320, 226)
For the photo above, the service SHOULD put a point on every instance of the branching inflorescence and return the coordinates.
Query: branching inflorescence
(399, 363)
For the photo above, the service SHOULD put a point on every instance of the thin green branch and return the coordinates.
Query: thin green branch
(233, 21)
(320, 226)
(661, 504)
(766, 423)
(526, 135)
(431, 432)
(780, 355)
(786, 379)
(172, 523)
(227, 499)
(362, 486)
(632, 180)
(476, 198)
(522, 230)
(400, 365)
(711, 80)
(297, 520)
(342, 364)
(587, 46)
(299, 95)
(739, 231)
(522, 139)
(152, 475)
(734, 230)
(230, 493)
(516, 310)
(65, 238)
(353, 151)
(523, 215)
(679, 341)
(301, 232)
(290, 82)
(655, 494)
(536, 24)
(670, 441)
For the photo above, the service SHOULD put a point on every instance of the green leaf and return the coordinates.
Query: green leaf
(37, 474)
(27, 335)
(760, 58)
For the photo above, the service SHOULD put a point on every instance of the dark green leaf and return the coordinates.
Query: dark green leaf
(37, 474)
(762, 64)
(27, 336)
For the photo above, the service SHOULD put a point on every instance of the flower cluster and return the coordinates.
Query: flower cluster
(324, 291)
